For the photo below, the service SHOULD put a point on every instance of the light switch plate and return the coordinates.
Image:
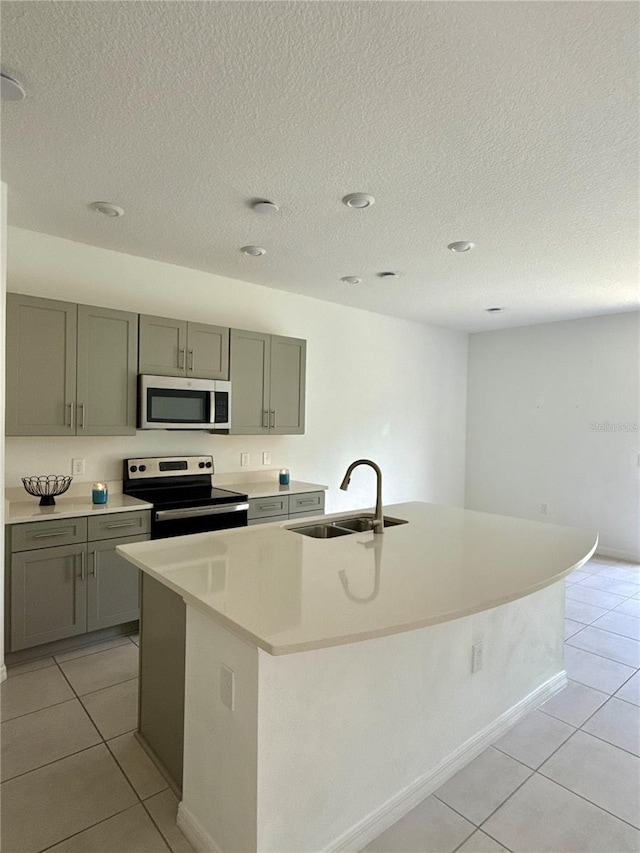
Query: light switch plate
(227, 687)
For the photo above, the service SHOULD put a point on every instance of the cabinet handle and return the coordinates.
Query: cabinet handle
(122, 524)
(265, 419)
(309, 501)
(47, 535)
(273, 419)
(191, 359)
(72, 409)
(81, 406)
(94, 564)
(269, 506)
(83, 565)
(181, 358)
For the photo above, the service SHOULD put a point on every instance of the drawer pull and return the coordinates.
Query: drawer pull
(309, 501)
(269, 506)
(47, 535)
(121, 524)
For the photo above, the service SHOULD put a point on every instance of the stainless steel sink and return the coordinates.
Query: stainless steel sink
(343, 526)
(362, 523)
(320, 531)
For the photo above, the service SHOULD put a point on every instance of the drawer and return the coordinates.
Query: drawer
(45, 534)
(268, 520)
(118, 524)
(263, 507)
(306, 502)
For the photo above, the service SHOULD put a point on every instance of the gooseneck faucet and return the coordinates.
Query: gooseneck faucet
(378, 523)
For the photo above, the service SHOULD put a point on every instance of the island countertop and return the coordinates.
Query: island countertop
(285, 592)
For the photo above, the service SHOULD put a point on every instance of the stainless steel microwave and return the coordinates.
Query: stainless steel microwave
(177, 402)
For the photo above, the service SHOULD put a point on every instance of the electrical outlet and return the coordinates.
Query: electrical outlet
(477, 655)
(77, 467)
(266, 457)
(544, 508)
(228, 687)
(244, 460)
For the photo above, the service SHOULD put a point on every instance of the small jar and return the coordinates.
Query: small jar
(99, 493)
(284, 477)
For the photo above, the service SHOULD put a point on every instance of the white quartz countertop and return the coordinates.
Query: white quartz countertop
(269, 489)
(285, 592)
(17, 512)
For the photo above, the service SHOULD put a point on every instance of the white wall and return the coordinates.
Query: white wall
(553, 416)
(377, 387)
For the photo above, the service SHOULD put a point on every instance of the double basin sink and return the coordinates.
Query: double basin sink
(343, 526)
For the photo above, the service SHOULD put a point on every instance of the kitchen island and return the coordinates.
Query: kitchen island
(329, 684)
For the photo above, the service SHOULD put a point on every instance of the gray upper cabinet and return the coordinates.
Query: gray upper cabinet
(71, 370)
(268, 380)
(180, 348)
(107, 371)
(41, 366)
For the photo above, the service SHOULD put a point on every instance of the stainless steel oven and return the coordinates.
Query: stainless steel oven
(178, 402)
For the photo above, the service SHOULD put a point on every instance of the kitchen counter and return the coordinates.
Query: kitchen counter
(359, 672)
(267, 489)
(286, 593)
(18, 512)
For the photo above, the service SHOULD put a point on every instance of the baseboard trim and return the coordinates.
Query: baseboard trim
(198, 837)
(618, 555)
(400, 804)
(3, 673)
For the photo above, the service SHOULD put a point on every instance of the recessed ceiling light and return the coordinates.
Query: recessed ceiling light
(494, 310)
(253, 251)
(11, 89)
(358, 201)
(351, 279)
(264, 206)
(107, 209)
(461, 246)
(388, 274)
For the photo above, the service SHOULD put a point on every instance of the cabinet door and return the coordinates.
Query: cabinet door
(48, 595)
(41, 366)
(107, 371)
(163, 346)
(113, 584)
(288, 367)
(250, 365)
(207, 351)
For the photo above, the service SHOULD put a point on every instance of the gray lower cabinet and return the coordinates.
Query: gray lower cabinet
(71, 369)
(268, 379)
(62, 590)
(48, 595)
(285, 507)
(181, 348)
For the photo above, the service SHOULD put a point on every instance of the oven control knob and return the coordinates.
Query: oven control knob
(208, 464)
(200, 464)
(143, 467)
(133, 469)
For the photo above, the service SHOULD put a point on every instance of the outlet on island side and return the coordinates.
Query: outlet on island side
(477, 656)
(544, 508)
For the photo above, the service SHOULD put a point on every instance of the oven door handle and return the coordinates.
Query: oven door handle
(169, 514)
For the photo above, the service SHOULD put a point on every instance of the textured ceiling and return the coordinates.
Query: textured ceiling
(514, 125)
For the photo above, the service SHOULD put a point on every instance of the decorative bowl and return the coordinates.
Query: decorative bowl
(47, 487)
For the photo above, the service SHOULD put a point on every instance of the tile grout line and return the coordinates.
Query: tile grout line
(104, 820)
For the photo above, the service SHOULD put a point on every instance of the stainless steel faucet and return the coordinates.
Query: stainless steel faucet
(378, 523)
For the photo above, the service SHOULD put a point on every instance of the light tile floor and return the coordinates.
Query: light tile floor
(565, 779)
